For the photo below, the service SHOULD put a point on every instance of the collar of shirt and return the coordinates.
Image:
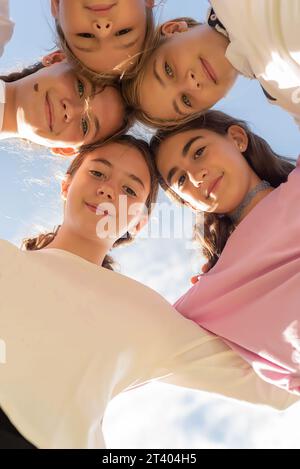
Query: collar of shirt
(233, 53)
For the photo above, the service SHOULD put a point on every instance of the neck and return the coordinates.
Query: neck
(92, 251)
(258, 197)
(10, 127)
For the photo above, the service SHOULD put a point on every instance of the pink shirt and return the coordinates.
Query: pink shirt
(251, 297)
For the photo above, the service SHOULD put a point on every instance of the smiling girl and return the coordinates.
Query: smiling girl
(191, 66)
(52, 105)
(104, 36)
(77, 334)
(247, 200)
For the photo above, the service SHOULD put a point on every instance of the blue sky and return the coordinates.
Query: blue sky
(159, 415)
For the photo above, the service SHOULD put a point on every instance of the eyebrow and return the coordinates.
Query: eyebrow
(91, 97)
(184, 153)
(101, 160)
(84, 49)
(109, 165)
(130, 44)
(157, 76)
(177, 110)
(97, 126)
(137, 179)
(94, 49)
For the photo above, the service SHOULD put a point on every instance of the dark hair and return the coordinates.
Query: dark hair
(267, 164)
(44, 239)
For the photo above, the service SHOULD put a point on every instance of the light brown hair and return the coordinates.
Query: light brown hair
(108, 78)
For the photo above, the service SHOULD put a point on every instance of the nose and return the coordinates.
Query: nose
(197, 178)
(71, 110)
(102, 27)
(193, 81)
(106, 192)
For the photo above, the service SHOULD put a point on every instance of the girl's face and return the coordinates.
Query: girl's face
(57, 107)
(188, 73)
(207, 170)
(106, 196)
(103, 33)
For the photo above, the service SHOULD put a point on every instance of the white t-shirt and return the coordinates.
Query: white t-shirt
(6, 31)
(74, 335)
(264, 44)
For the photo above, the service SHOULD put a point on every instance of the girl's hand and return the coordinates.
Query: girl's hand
(196, 278)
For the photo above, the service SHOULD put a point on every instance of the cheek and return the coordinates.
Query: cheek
(136, 13)
(70, 16)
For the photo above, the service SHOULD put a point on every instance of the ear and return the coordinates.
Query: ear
(143, 222)
(54, 8)
(65, 186)
(67, 152)
(149, 3)
(239, 136)
(172, 27)
(53, 58)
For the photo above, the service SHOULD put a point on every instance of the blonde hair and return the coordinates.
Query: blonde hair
(104, 77)
(131, 88)
(44, 239)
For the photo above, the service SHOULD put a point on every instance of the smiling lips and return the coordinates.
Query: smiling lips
(49, 113)
(101, 9)
(214, 185)
(94, 208)
(209, 72)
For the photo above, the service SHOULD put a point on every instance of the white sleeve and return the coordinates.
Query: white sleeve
(212, 366)
(6, 25)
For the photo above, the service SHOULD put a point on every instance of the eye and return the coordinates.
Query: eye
(86, 35)
(98, 174)
(168, 70)
(186, 100)
(198, 153)
(130, 191)
(81, 88)
(122, 32)
(85, 126)
(181, 181)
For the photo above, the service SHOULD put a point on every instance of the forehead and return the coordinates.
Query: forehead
(123, 157)
(155, 98)
(176, 143)
(172, 150)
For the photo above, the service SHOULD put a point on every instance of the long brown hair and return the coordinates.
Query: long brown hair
(105, 77)
(213, 234)
(131, 88)
(44, 239)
